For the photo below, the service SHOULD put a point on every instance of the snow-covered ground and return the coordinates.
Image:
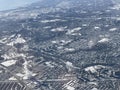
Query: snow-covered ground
(11, 40)
(21, 75)
(19, 39)
(12, 55)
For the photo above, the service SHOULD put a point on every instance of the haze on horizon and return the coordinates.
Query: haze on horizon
(12, 4)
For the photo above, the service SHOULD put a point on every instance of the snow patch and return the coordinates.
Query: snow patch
(1, 71)
(34, 14)
(47, 27)
(69, 66)
(118, 19)
(94, 69)
(62, 42)
(74, 31)
(9, 63)
(58, 29)
(51, 21)
(27, 72)
(54, 42)
(84, 25)
(18, 74)
(14, 40)
(91, 69)
(60, 47)
(96, 27)
(3, 40)
(12, 78)
(18, 40)
(116, 7)
(68, 87)
(103, 40)
(91, 43)
(113, 29)
(69, 49)
(49, 64)
(12, 55)
(94, 89)
(93, 83)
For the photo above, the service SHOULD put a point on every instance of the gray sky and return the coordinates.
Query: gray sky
(11, 4)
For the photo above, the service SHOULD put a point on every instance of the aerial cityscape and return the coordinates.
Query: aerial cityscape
(61, 45)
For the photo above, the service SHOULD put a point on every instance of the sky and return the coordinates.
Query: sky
(11, 4)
